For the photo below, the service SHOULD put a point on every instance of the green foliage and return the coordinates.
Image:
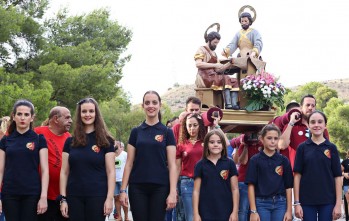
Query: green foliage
(338, 126)
(332, 105)
(14, 87)
(321, 92)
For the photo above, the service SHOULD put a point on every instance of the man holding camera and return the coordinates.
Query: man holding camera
(294, 127)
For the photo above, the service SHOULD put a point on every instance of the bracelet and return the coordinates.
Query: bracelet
(123, 191)
(296, 203)
(291, 124)
(217, 126)
(253, 211)
(62, 201)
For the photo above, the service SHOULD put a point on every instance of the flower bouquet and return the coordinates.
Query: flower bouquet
(262, 91)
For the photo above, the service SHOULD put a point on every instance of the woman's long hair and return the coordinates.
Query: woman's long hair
(183, 132)
(103, 137)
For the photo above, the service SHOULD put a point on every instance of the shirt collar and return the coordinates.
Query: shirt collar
(266, 156)
(144, 125)
(310, 141)
(15, 133)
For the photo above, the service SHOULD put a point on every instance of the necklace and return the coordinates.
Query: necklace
(193, 140)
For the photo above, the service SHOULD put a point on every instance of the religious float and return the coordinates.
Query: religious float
(259, 92)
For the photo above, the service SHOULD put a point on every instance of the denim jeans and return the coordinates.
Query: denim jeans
(243, 202)
(187, 186)
(271, 208)
(317, 212)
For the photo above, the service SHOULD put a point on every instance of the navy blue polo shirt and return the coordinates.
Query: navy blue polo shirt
(318, 165)
(87, 175)
(150, 163)
(216, 199)
(22, 161)
(270, 175)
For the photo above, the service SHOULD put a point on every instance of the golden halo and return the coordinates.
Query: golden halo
(242, 9)
(211, 26)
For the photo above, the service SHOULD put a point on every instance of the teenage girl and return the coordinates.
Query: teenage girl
(150, 168)
(318, 175)
(87, 178)
(216, 192)
(22, 152)
(270, 180)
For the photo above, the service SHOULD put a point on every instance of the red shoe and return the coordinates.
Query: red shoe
(116, 216)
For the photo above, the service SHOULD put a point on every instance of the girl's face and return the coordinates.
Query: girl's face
(88, 113)
(23, 118)
(215, 146)
(151, 105)
(270, 140)
(317, 124)
(192, 125)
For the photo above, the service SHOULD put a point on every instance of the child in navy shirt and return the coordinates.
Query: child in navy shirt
(22, 152)
(270, 180)
(317, 178)
(216, 192)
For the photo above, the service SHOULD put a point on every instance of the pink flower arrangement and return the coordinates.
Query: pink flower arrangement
(262, 90)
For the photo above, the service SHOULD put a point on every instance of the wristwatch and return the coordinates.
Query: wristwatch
(123, 191)
(253, 211)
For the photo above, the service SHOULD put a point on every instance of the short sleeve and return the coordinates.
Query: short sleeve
(335, 162)
(198, 169)
(110, 148)
(3, 143)
(298, 162)
(67, 145)
(199, 54)
(232, 169)
(179, 151)
(288, 175)
(133, 137)
(42, 142)
(251, 175)
(170, 138)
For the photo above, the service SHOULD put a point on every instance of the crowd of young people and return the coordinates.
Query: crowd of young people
(156, 158)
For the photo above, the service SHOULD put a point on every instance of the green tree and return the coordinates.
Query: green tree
(14, 87)
(83, 57)
(338, 126)
(21, 37)
(321, 92)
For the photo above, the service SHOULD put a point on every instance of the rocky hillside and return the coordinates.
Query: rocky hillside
(175, 97)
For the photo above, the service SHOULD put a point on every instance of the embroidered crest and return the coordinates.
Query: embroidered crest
(224, 174)
(279, 170)
(95, 148)
(31, 146)
(159, 138)
(327, 153)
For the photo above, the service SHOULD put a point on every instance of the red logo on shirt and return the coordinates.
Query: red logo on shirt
(279, 170)
(159, 138)
(31, 146)
(95, 148)
(224, 174)
(327, 153)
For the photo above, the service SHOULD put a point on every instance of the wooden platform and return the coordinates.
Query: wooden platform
(239, 121)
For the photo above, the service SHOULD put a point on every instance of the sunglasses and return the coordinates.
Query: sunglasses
(86, 100)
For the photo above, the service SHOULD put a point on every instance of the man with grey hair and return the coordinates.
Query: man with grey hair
(56, 132)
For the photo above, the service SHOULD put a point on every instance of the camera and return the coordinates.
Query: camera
(215, 114)
(251, 137)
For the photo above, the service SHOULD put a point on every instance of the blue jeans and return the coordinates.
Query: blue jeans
(271, 208)
(187, 186)
(243, 202)
(2, 217)
(317, 212)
